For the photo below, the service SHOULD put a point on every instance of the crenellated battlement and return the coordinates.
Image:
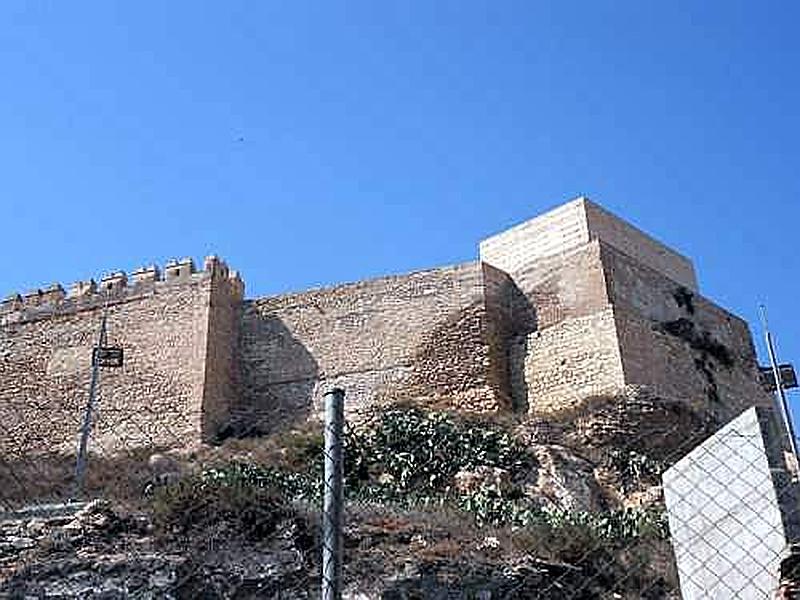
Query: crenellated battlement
(116, 287)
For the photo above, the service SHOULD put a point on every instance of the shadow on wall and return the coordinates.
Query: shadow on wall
(523, 322)
(474, 358)
(278, 375)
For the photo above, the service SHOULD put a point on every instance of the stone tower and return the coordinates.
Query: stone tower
(617, 312)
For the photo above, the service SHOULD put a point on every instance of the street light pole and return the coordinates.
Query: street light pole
(86, 428)
(776, 373)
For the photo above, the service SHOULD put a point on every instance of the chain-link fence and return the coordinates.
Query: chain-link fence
(733, 512)
(436, 506)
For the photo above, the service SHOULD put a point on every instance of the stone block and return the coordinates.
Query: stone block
(81, 289)
(179, 269)
(149, 274)
(114, 282)
(574, 224)
(53, 294)
(11, 302)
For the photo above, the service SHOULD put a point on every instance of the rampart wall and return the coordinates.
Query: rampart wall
(680, 344)
(554, 232)
(222, 378)
(614, 308)
(163, 396)
(615, 322)
(563, 286)
(436, 335)
(633, 242)
(570, 361)
(569, 351)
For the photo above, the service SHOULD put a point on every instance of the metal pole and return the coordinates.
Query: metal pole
(334, 496)
(86, 428)
(776, 373)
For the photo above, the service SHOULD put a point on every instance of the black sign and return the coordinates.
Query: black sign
(788, 377)
(107, 356)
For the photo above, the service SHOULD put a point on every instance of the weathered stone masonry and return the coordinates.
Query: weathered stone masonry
(572, 305)
(168, 392)
(618, 310)
(431, 335)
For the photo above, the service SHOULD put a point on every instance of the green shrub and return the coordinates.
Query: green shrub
(635, 468)
(302, 449)
(490, 509)
(407, 459)
(423, 450)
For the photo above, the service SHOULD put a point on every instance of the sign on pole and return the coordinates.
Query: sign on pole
(107, 356)
(787, 374)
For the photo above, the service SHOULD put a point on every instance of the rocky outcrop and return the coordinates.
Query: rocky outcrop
(565, 481)
(99, 552)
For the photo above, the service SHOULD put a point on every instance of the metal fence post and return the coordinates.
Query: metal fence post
(334, 496)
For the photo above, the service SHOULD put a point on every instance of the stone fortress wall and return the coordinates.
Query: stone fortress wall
(171, 389)
(428, 334)
(572, 305)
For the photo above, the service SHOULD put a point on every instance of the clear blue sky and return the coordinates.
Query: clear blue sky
(312, 143)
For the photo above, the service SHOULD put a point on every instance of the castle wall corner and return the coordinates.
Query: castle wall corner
(571, 361)
(221, 382)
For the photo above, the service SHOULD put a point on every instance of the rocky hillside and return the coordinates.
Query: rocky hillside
(99, 552)
(439, 506)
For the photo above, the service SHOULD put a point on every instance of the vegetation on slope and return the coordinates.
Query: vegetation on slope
(408, 458)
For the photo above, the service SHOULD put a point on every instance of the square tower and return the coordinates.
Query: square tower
(573, 225)
(612, 312)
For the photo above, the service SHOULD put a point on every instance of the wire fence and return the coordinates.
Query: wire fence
(733, 509)
(435, 506)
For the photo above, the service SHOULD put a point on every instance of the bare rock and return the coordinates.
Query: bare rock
(565, 481)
